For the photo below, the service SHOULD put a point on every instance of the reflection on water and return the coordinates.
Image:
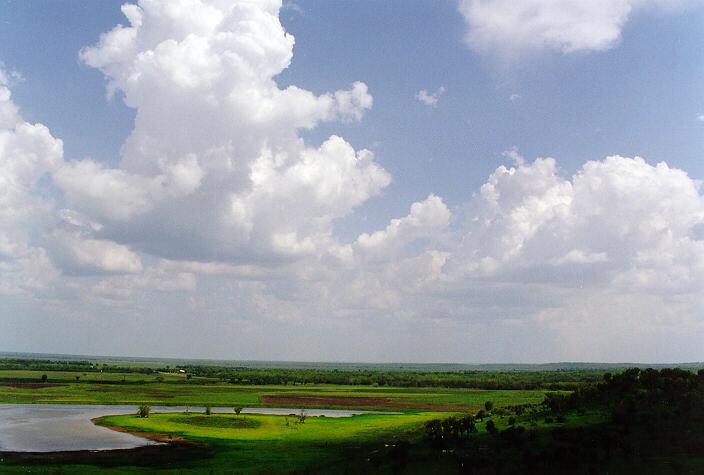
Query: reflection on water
(57, 427)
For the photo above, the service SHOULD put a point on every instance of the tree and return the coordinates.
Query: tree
(488, 405)
(44, 378)
(208, 411)
(238, 410)
(143, 410)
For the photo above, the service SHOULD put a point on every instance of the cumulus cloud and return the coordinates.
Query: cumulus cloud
(430, 99)
(631, 219)
(426, 220)
(507, 28)
(78, 254)
(28, 153)
(214, 168)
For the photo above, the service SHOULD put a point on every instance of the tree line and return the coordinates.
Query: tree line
(527, 380)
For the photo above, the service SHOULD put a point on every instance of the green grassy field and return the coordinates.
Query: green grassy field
(66, 391)
(214, 428)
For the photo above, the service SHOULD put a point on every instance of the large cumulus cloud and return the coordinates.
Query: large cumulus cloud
(214, 168)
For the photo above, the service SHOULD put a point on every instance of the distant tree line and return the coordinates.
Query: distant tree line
(79, 366)
(548, 380)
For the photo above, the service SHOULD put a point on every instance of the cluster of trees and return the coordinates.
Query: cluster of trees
(636, 420)
(453, 430)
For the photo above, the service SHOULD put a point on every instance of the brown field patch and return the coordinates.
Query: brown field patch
(357, 402)
(31, 385)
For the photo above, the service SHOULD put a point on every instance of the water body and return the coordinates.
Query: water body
(61, 427)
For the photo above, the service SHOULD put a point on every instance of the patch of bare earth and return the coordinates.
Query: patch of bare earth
(31, 385)
(156, 436)
(294, 400)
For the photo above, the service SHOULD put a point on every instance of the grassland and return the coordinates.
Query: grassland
(648, 421)
(63, 389)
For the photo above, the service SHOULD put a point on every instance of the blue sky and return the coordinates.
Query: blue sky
(485, 223)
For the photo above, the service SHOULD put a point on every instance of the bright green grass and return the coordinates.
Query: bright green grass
(242, 422)
(282, 428)
(273, 447)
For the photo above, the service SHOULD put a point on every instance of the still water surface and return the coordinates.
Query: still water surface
(58, 427)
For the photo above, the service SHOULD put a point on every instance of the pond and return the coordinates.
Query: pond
(61, 427)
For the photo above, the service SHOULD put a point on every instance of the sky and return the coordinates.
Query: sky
(464, 181)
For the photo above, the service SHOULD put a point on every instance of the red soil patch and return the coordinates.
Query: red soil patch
(356, 402)
(31, 385)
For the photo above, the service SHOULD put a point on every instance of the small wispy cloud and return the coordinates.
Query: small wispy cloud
(430, 99)
(9, 78)
(294, 7)
(700, 117)
(514, 155)
(514, 97)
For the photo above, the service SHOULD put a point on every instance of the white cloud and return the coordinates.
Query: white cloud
(215, 150)
(623, 214)
(28, 152)
(77, 254)
(426, 220)
(507, 28)
(578, 256)
(700, 117)
(430, 99)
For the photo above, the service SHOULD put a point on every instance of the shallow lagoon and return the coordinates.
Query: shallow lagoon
(60, 427)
